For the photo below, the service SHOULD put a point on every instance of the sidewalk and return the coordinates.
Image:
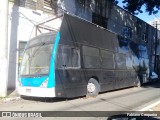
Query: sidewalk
(15, 96)
(11, 97)
(153, 107)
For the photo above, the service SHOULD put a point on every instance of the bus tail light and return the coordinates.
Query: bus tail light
(44, 84)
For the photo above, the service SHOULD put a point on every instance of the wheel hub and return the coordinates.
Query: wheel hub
(90, 87)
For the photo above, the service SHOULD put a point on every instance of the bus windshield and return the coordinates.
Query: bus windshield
(36, 60)
(37, 56)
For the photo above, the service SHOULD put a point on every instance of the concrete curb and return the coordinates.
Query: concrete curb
(13, 96)
(10, 99)
(148, 108)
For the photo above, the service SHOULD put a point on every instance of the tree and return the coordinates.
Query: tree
(134, 6)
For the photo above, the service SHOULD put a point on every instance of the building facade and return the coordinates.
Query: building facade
(112, 17)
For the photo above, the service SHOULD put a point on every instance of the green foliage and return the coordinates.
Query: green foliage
(134, 6)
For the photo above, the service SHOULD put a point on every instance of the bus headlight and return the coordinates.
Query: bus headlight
(44, 84)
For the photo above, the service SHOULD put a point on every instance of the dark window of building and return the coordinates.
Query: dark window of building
(144, 38)
(107, 59)
(127, 32)
(139, 28)
(99, 20)
(99, 7)
(123, 45)
(68, 57)
(134, 48)
(91, 57)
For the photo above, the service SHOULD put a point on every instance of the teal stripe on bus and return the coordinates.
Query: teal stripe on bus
(51, 82)
(33, 82)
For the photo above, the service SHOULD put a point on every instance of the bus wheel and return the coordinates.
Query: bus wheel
(93, 88)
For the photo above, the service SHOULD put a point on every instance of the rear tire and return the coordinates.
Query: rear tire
(93, 88)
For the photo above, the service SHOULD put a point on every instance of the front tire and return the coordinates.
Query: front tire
(93, 88)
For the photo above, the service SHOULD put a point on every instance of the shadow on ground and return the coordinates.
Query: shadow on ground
(152, 85)
(41, 99)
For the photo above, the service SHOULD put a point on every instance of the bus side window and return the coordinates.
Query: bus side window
(91, 57)
(68, 57)
(107, 59)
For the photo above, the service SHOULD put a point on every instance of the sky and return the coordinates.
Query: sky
(144, 16)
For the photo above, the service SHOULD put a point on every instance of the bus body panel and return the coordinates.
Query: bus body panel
(76, 33)
(70, 82)
(33, 82)
(36, 91)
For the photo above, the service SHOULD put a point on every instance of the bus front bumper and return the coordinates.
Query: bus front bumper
(36, 91)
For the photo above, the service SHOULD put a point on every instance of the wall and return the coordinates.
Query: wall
(22, 23)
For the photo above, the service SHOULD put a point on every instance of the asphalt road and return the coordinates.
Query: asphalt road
(129, 99)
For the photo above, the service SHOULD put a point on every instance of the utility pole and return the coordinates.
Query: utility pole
(3, 47)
